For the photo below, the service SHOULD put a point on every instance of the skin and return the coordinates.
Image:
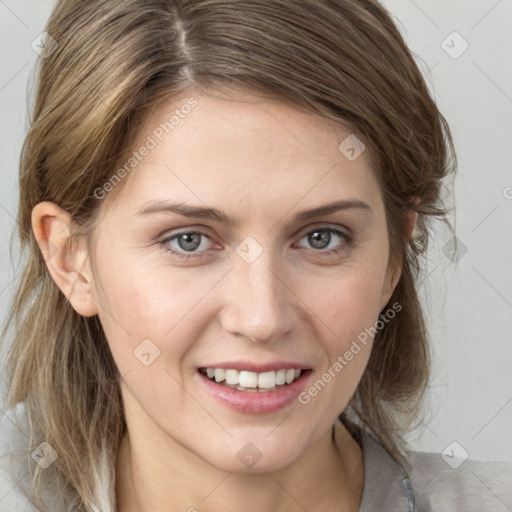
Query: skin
(260, 160)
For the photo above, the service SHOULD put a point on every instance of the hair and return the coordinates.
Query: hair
(115, 61)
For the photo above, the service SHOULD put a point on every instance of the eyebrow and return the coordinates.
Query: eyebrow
(216, 215)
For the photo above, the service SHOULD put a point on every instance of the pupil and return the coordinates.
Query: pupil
(189, 238)
(320, 237)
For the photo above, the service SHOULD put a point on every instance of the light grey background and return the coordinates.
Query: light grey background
(469, 305)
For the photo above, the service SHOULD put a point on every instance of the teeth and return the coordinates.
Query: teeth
(220, 374)
(246, 379)
(267, 380)
(231, 377)
(280, 377)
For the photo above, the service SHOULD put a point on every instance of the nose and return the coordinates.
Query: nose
(258, 300)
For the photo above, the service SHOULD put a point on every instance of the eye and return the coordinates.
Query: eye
(192, 244)
(185, 242)
(321, 238)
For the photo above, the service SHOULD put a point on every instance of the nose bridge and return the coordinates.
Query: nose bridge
(257, 302)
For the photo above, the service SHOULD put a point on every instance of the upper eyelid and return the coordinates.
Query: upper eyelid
(203, 230)
(301, 233)
(308, 229)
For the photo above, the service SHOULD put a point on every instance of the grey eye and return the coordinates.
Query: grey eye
(319, 238)
(189, 241)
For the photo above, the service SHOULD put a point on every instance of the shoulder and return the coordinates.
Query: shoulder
(431, 482)
(447, 483)
(14, 467)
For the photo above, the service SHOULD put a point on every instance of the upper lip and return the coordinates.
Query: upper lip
(251, 366)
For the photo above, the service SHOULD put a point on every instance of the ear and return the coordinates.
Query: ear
(394, 273)
(410, 223)
(65, 257)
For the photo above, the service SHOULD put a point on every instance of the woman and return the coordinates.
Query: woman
(225, 206)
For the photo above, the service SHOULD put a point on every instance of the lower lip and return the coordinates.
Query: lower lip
(256, 402)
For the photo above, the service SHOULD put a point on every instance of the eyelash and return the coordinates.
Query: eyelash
(183, 256)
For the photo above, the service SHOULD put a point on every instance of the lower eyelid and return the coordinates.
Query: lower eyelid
(346, 239)
(344, 236)
(165, 243)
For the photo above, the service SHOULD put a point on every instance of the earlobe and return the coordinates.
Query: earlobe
(412, 219)
(66, 260)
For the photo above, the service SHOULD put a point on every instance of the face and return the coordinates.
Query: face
(261, 289)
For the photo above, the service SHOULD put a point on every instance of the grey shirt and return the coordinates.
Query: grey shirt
(431, 485)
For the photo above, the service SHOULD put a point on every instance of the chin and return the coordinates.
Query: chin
(252, 458)
(262, 465)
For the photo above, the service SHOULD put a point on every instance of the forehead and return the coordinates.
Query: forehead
(245, 150)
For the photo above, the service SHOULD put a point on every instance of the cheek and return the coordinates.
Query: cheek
(152, 303)
(346, 306)
(346, 309)
(349, 299)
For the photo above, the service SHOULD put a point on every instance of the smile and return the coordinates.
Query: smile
(252, 381)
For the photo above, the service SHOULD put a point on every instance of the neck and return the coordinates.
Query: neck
(328, 476)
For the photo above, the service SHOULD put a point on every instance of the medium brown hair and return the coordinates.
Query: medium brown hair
(116, 60)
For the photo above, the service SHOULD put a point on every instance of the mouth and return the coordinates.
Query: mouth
(245, 380)
(274, 387)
